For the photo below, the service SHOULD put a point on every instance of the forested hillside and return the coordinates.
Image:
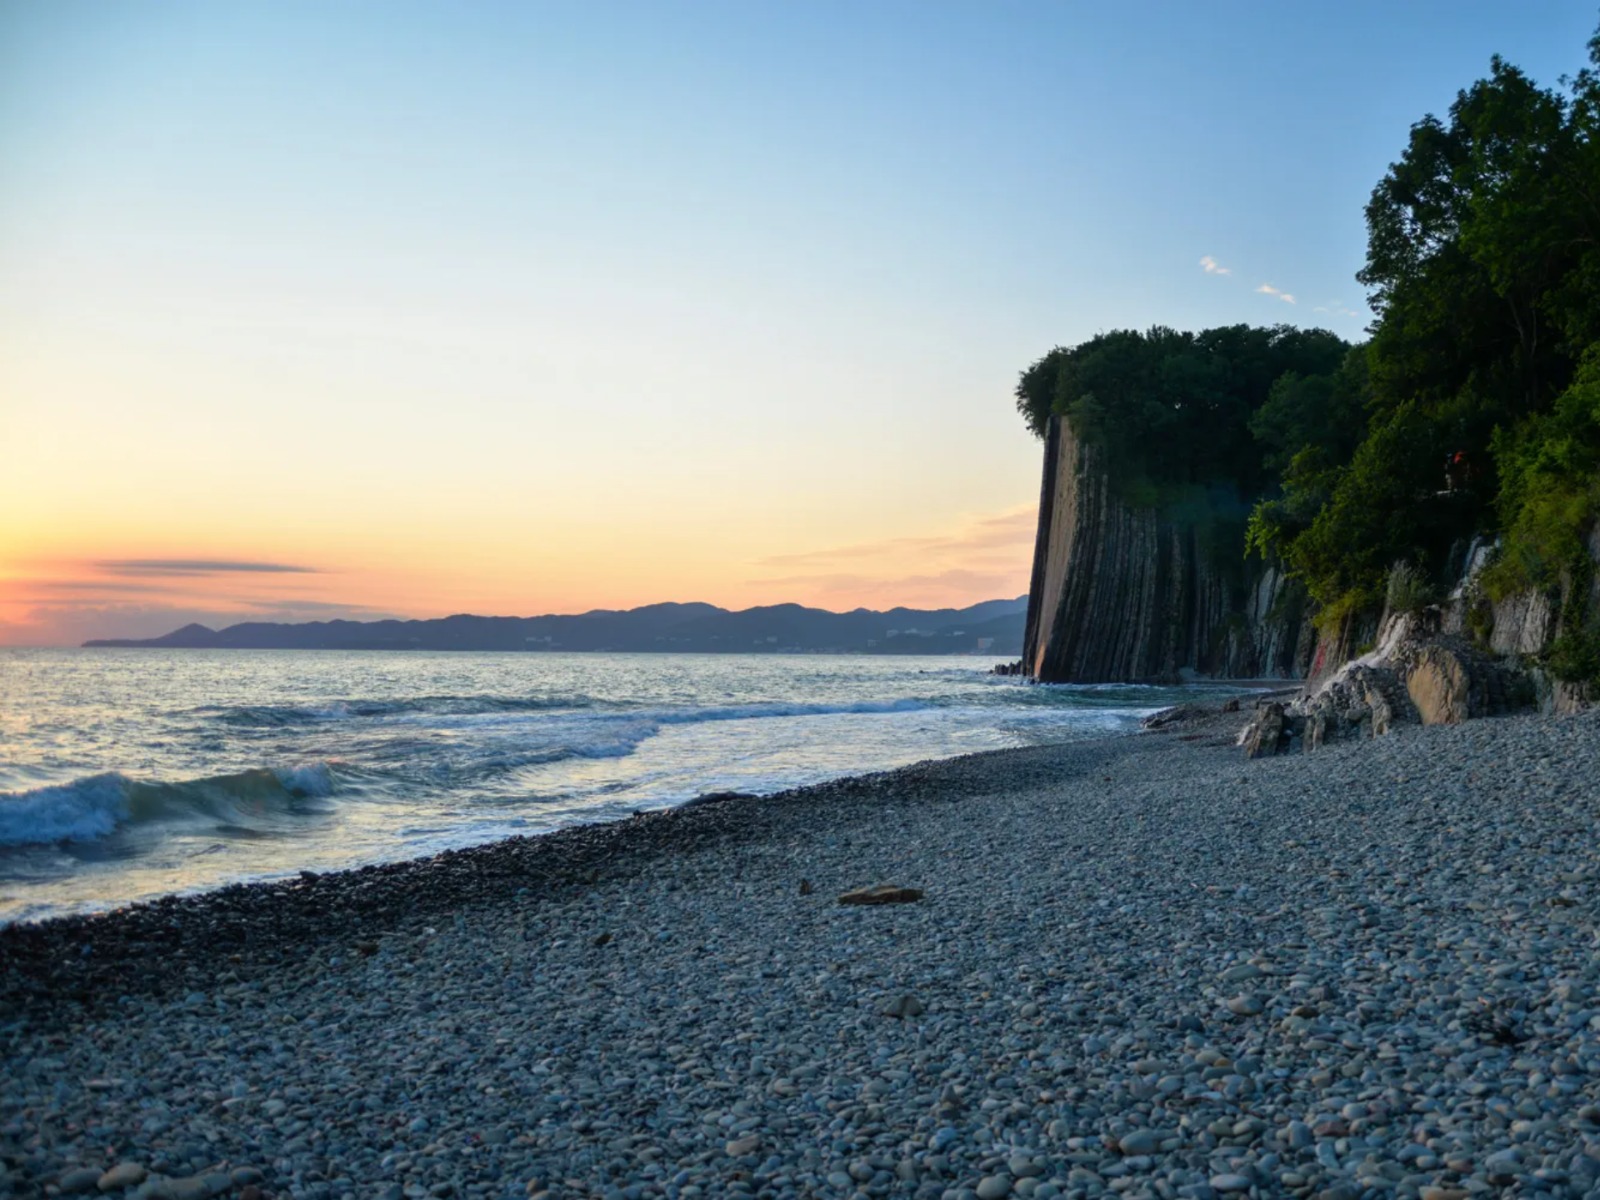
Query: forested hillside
(1472, 411)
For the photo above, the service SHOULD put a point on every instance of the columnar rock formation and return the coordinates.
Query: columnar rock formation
(1122, 592)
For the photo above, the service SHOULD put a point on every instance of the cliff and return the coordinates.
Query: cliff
(1121, 592)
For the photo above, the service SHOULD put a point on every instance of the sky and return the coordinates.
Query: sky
(317, 310)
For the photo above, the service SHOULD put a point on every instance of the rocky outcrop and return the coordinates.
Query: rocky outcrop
(1415, 675)
(1523, 623)
(1464, 658)
(1122, 592)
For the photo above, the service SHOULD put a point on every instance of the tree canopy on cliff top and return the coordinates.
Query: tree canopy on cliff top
(1171, 409)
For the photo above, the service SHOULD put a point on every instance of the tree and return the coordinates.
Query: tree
(1322, 412)
(1172, 410)
(1483, 258)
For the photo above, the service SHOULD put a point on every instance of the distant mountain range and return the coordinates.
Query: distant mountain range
(993, 627)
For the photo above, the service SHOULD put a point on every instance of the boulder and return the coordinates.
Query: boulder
(1177, 715)
(1265, 733)
(903, 1008)
(1381, 693)
(1567, 698)
(1439, 684)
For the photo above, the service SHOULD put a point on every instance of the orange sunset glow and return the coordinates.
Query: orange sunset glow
(307, 355)
(50, 598)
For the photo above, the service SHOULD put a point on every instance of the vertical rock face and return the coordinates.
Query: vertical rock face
(1123, 593)
(1523, 624)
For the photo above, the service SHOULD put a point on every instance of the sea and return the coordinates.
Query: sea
(131, 774)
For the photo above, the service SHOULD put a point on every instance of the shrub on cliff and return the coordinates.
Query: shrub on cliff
(1549, 502)
(1409, 589)
(1549, 486)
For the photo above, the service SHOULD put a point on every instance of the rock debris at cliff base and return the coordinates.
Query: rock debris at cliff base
(1141, 966)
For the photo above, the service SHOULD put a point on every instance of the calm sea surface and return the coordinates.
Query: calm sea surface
(127, 774)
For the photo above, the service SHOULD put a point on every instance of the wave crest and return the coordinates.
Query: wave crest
(345, 710)
(97, 806)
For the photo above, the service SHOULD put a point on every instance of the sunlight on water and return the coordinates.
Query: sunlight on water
(126, 774)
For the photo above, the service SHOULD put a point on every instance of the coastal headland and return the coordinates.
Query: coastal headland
(1141, 965)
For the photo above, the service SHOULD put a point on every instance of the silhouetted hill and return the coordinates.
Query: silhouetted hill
(992, 627)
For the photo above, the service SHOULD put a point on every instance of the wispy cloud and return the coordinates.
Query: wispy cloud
(312, 606)
(73, 587)
(1336, 308)
(1212, 267)
(1266, 289)
(196, 566)
(62, 602)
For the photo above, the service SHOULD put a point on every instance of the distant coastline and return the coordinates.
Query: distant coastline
(991, 627)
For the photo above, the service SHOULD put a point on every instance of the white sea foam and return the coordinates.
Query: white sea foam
(745, 712)
(80, 811)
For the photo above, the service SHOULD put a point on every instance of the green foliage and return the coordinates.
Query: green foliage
(1409, 590)
(1275, 523)
(1173, 410)
(1322, 412)
(1332, 617)
(1549, 466)
(1384, 506)
(1466, 414)
(1574, 657)
(1036, 390)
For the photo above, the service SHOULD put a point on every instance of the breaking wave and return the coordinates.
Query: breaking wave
(264, 799)
(345, 710)
(97, 806)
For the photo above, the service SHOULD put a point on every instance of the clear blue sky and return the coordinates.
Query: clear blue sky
(736, 281)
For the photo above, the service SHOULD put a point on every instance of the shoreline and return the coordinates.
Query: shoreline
(259, 774)
(1141, 965)
(401, 873)
(69, 959)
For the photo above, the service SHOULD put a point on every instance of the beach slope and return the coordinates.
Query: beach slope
(1140, 965)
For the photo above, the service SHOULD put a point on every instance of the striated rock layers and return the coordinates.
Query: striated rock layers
(1127, 593)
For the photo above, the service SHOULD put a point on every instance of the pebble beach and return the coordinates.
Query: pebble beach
(1140, 965)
